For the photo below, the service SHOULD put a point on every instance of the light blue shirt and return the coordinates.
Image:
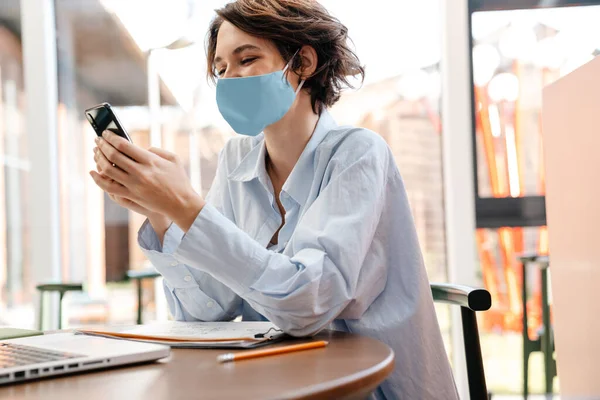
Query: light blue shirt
(347, 256)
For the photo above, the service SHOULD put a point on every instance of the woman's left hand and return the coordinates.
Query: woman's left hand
(153, 178)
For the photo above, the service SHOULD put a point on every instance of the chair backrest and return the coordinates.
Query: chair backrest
(470, 300)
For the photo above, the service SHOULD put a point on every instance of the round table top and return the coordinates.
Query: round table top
(351, 366)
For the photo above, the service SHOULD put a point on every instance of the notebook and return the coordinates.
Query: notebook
(13, 333)
(199, 335)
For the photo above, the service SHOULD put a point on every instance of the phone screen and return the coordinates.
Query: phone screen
(102, 118)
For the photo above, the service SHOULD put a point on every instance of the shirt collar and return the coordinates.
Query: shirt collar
(299, 182)
(252, 164)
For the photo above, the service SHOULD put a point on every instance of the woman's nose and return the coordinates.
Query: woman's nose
(232, 72)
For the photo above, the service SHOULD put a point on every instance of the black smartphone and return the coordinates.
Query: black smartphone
(102, 118)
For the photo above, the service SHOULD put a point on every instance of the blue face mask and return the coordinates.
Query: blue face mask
(252, 103)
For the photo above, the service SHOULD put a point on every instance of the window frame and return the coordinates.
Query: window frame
(498, 212)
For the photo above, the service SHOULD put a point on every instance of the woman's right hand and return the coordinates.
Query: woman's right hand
(131, 205)
(159, 222)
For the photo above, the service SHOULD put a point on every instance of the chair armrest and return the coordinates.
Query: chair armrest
(476, 299)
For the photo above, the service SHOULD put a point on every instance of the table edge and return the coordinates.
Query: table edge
(362, 379)
(365, 380)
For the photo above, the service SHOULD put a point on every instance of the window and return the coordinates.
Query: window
(518, 47)
(15, 277)
(516, 52)
(107, 53)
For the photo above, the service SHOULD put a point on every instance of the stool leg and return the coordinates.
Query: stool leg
(61, 294)
(525, 333)
(41, 315)
(546, 341)
(139, 296)
(525, 376)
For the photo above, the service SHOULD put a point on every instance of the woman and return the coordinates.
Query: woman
(307, 224)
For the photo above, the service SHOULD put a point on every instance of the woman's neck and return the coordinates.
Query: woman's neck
(287, 138)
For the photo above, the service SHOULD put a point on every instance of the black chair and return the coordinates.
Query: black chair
(470, 300)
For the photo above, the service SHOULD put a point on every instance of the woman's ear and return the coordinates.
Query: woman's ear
(309, 61)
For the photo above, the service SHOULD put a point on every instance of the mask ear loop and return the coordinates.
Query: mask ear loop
(300, 86)
(289, 62)
(286, 68)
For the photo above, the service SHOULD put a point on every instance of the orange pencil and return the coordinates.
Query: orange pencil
(270, 352)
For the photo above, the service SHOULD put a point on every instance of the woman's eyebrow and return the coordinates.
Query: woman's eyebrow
(238, 50)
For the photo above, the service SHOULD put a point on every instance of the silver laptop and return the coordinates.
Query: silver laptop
(64, 353)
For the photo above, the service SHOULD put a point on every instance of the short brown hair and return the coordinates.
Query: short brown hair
(291, 24)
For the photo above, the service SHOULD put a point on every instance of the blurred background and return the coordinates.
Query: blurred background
(147, 59)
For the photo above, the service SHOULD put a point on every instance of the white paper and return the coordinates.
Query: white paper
(205, 330)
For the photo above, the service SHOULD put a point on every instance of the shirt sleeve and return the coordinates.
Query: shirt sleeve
(192, 294)
(304, 292)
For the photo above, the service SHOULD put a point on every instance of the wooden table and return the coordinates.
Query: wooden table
(350, 367)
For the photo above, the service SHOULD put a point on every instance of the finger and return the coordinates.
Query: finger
(167, 155)
(126, 147)
(109, 185)
(129, 204)
(98, 167)
(114, 156)
(111, 170)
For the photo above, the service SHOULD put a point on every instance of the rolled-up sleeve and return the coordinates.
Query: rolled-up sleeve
(303, 292)
(191, 294)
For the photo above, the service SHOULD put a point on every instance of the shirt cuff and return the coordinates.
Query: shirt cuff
(147, 238)
(172, 238)
(217, 246)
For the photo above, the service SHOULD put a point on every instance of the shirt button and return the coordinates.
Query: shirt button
(187, 278)
(210, 304)
(174, 264)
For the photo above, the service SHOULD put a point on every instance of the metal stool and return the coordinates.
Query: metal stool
(61, 288)
(139, 276)
(545, 340)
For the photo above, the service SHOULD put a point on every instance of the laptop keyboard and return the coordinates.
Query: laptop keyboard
(16, 355)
